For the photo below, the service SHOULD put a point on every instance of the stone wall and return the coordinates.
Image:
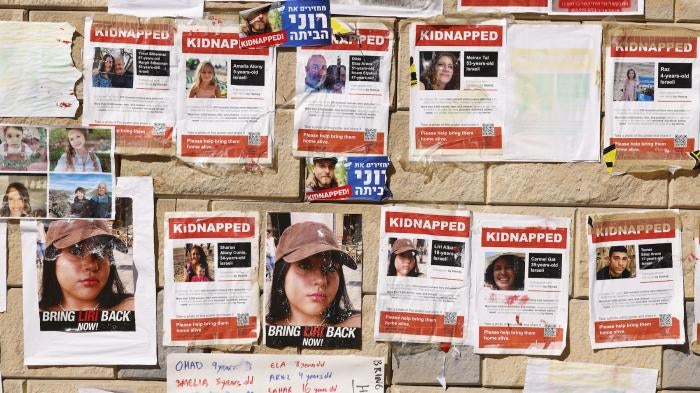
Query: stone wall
(569, 190)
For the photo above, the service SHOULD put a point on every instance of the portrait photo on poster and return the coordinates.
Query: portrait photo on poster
(23, 148)
(113, 67)
(313, 280)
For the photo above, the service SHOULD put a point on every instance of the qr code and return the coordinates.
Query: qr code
(158, 128)
(487, 129)
(242, 319)
(665, 320)
(254, 138)
(680, 141)
(370, 134)
(550, 330)
(450, 318)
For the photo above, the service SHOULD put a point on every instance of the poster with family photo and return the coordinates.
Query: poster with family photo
(89, 285)
(313, 280)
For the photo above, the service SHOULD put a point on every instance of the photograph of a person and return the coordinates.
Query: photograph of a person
(335, 79)
(25, 196)
(439, 71)
(633, 82)
(405, 257)
(78, 195)
(615, 262)
(23, 149)
(316, 280)
(323, 173)
(87, 150)
(260, 20)
(86, 265)
(194, 263)
(206, 78)
(113, 67)
(316, 69)
(505, 271)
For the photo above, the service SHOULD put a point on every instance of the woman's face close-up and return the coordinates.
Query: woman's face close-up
(445, 69)
(404, 263)
(76, 139)
(81, 277)
(503, 275)
(15, 202)
(631, 74)
(310, 286)
(207, 74)
(109, 63)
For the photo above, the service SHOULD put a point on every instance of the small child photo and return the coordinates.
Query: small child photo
(206, 78)
(194, 263)
(23, 149)
(86, 150)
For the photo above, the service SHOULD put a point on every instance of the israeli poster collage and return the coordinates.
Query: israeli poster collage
(520, 284)
(342, 92)
(88, 286)
(423, 279)
(211, 278)
(56, 172)
(635, 279)
(226, 97)
(130, 71)
(652, 97)
(313, 280)
(458, 69)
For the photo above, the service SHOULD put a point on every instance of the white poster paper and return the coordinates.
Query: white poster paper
(594, 7)
(211, 288)
(652, 97)
(393, 8)
(520, 284)
(130, 73)
(548, 376)
(423, 279)
(45, 87)
(226, 97)
(502, 6)
(200, 373)
(342, 92)
(635, 279)
(553, 100)
(151, 8)
(458, 96)
(3, 267)
(89, 291)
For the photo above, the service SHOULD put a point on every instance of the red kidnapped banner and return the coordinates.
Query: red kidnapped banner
(664, 47)
(456, 35)
(426, 224)
(211, 227)
(633, 229)
(363, 39)
(524, 237)
(132, 33)
(216, 43)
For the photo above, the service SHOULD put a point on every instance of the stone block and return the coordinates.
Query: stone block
(370, 225)
(680, 365)
(12, 14)
(14, 386)
(687, 10)
(658, 10)
(683, 188)
(12, 349)
(14, 254)
(192, 205)
(422, 364)
(173, 177)
(580, 183)
(403, 74)
(57, 4)
(162, 206)
(690, 225)
(430, 182)
(72, 386)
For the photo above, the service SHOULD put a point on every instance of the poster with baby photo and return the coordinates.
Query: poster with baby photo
(23, 148)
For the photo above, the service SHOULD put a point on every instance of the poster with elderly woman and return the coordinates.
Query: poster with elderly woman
(520, 284)
(313, 280)
(342, 92)
(423, 278)
(457, 91)
(211, 282)
(89, 285)
(226, 97)
(129, 74)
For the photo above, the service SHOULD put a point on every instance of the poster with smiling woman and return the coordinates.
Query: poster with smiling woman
(520, 284)
(89, 285)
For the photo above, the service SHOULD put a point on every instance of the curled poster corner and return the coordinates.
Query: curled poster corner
(609, 156)
(414, 76)
(696, 156)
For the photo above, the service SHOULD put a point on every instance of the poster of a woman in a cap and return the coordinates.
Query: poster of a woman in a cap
(80, 271)
(309, 285)
(403, 261)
